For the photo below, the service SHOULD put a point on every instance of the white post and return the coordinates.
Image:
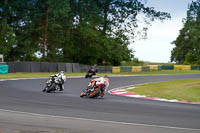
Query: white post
(1, 58)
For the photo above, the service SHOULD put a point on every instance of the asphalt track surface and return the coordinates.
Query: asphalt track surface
(24, 108)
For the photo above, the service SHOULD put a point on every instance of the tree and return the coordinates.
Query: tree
(83, 31)
(28, 19)
(187, 44)
(50, 18)
(7, 36)
(114, 19)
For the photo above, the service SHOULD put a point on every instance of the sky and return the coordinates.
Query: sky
(157, 47)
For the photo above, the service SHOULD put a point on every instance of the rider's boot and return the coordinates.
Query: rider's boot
(102, 93)
(44, 89)
(61, 87)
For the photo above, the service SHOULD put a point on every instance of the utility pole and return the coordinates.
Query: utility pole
(1, 58)
(45, 32)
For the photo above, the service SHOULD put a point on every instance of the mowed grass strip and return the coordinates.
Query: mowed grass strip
(188, 90)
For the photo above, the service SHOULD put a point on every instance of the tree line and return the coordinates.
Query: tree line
(83, 31)
(187, 44)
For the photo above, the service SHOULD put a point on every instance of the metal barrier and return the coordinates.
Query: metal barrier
(126, 69)
(182, 67)
(76, 67)
(195, 67)
(136, 68)
(52, 67)
(115, 69)
(154, 67)
(145, 68)
(167, 67)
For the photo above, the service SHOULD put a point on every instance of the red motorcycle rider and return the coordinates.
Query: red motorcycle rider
(101, 82)
(91, 70)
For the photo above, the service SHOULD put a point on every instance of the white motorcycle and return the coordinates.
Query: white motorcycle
(54, 83)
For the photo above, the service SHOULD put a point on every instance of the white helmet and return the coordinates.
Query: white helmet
(62, 72)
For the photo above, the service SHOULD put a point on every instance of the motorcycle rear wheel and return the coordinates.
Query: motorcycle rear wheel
(94, 93)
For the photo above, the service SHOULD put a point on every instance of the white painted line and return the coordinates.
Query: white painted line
(110, 91)
(173, 100)
(104, 121)
(120, 93)
(135, 96)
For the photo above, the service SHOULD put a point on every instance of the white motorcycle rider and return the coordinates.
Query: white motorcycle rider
(55, 82)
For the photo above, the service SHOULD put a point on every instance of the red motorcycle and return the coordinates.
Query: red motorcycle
(93, 91)
(90, 73)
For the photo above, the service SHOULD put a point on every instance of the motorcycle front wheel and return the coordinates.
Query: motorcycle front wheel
(82, 94)
(52, 87)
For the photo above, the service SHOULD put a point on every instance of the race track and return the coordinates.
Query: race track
(23, 107)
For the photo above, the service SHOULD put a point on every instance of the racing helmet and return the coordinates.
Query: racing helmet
(61, 72)
(106, 77)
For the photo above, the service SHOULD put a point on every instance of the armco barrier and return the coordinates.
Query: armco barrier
(3, 69)
(35, 67)
(108, 69)
(11, 67)
(53, 67)
(75, 67)
(145, 68)
(115, 69)
(182, 67)
(153, 67)
(159, 67)
(195, 67)
(22, 66)
(84, 68)
(101, 69)
(44, 67)
(136, 68)
(125, 68)
(61, 67)
(167, 67)
(69, 67)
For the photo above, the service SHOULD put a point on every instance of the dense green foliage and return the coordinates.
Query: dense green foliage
(83, 31)
(187, 44)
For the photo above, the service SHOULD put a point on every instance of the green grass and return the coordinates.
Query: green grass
(37, 75)
(188, 90)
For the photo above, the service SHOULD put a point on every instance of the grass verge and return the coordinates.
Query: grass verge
(188, 90)
(37, 75)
